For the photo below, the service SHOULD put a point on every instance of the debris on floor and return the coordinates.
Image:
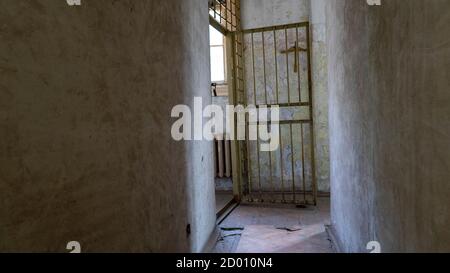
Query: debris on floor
(290, 229)
(231, 228)
(276, 229)
(222, 238)
(268, 239)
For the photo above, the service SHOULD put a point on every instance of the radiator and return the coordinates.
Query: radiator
(222, 156)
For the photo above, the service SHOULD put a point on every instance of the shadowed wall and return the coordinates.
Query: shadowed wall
(390, 123)
(85, 147)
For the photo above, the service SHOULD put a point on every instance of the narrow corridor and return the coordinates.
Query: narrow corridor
(137, 127)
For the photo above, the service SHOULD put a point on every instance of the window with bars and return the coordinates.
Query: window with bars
(226, 13)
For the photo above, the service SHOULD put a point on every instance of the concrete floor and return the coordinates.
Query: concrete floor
(224, 184)
(276, 229)
(224, 192)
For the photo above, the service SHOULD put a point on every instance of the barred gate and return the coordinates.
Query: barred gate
(272, 67)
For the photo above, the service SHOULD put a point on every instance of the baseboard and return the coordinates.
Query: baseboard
(334, 238)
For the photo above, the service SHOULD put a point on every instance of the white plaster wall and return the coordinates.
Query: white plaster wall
(264, 13)
(199, 156)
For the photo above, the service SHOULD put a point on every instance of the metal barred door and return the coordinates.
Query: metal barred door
(272, 67)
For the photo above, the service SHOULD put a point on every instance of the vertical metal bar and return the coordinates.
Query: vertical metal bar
(297, 62)
(253, 64)
(276, 65)
(287, 67)
(276, 82)
(224, 54)
(233, 13)
(288, 80)
(266, 100)
(283, 197)
(257, 130)
(237, 7)
(222, 18)
(226, 14)
(298, 68)
(311, 112)
(229, 15)
(292, 164)
(249, 161)
(296, 57)
(240, 37)
(303, 164)
(270, 161)
(220, 13)
(264, 65)
(236, 160)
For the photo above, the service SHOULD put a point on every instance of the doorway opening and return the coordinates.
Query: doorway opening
(279, 208)
(222, 143)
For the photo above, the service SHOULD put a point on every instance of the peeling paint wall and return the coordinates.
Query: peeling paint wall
(85, 147)
(390, 124)
(256, 14)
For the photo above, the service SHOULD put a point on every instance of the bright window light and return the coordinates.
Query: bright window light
(217, 55)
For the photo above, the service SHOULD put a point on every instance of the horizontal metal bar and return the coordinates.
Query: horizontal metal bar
(282, 122)
(284, 105)
(213, 22)
(252, 200)
(281, 27)
(287, 193)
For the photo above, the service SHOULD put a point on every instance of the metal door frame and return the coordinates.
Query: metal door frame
(242, 164)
